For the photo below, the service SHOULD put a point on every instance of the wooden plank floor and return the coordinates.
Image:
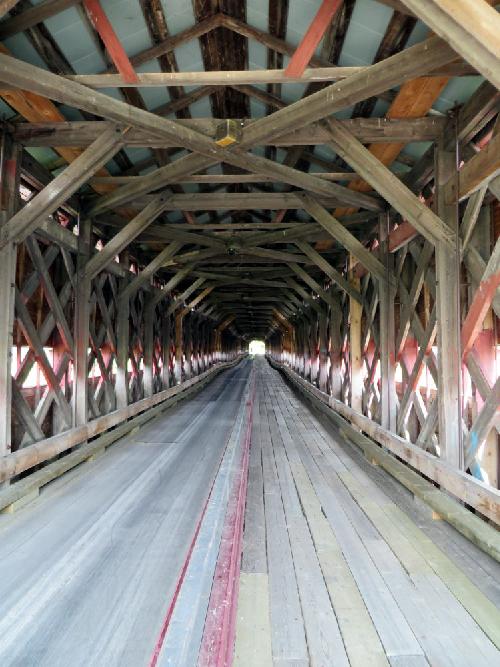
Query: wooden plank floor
(340, 567)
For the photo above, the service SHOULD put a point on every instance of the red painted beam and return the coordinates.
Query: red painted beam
(217, 644)
(113, 45)
(312, 38)
(477, 311)
(402, 235)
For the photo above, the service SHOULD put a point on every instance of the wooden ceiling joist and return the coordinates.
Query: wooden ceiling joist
(237, 78)
(369, 130)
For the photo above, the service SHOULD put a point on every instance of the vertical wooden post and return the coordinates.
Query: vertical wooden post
(148, 379)
(122, 355)
(387, 331)
(201, 347)
(215, 342)
(335, 351)
(10, 159)
(306, 341)
(314, 350)
(194, 344)
(448, 312)
(166, 343)
(188, 337)
(82, 325)
(323, 352)
(178, 348)
(355, 314)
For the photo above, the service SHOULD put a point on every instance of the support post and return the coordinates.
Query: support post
(387, 330)
(188, 346)
(166, 343)
(148, 377)
(355, 314)
(122, 352)
(10, 160)
(335, 351)
(323, 351)
(82, 325)
(313, 346)
(178, 348)
(307, 348)
(448, 310)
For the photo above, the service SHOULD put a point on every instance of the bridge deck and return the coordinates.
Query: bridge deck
(339, 566)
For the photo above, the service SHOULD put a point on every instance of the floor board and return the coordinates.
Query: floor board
(353, 558)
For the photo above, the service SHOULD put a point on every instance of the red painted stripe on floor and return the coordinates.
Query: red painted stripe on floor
(217, 644)
(185, 565)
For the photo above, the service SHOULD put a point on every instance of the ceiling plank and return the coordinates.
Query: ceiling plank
(394, 40)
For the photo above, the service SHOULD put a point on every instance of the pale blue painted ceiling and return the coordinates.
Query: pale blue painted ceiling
(366, 29)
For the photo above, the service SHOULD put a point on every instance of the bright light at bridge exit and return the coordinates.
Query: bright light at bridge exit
(257, 347)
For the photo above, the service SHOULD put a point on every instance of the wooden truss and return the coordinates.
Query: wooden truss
(380, 290)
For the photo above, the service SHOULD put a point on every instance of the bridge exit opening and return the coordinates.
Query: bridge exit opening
(257, 347)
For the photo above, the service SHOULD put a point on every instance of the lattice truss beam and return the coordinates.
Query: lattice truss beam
(360, 316)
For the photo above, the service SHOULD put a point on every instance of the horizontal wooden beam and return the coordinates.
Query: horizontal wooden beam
(24, 75)
(225, 179)
(367, 130)
(241, 77)
(224, 201)
(217, 78)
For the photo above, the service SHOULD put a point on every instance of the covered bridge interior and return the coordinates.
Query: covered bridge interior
(178, 179)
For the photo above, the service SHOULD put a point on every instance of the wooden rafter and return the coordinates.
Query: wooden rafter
(114, 47)
(312, 37)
